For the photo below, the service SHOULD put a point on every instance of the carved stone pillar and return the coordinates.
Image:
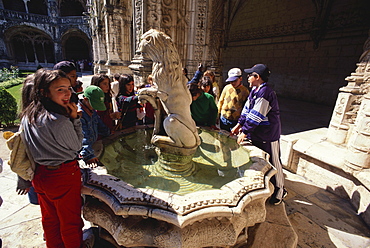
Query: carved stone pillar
(110, 35)
(346, 107)
(358, 149)
(58, 53)
(196, 27)
(350, 123)
(141, 69)
(53, 8)
(140, 66)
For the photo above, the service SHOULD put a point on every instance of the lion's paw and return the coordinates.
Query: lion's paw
(148, 91)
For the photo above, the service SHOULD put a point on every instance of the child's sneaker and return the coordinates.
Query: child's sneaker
(275, 201)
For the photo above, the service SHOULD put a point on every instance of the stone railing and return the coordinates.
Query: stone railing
(72, 20)
(27, 17)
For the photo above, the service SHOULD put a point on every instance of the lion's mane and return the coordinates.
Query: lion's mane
(166, 61)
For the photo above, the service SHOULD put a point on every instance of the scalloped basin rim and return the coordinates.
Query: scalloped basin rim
(125, 194)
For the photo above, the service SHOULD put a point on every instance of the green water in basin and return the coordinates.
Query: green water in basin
(217, 161)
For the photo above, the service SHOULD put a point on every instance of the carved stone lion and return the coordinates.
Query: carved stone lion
(174, 126)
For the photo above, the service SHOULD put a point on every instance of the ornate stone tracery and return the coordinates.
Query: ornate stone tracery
(192, 25)
(349, 125)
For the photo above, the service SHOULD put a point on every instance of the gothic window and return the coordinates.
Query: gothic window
(33, 47)
(72, 7)
(17, 5)
(37, 7)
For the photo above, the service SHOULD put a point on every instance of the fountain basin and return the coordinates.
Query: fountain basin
(180, 212)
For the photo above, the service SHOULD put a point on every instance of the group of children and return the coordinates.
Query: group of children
(61, 123)
(251, 116)
(60, 127)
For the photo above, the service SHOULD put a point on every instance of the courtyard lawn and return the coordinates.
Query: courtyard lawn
(15, 91)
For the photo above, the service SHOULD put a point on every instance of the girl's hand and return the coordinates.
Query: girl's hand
(92, 163)
(72, 109)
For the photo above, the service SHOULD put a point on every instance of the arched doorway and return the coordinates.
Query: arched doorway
(76, 48)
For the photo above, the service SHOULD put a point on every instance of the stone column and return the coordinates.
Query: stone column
(140, 66)
(53, 8)
(25, 5)
(4, 59)
(346, 107)
(350, 123)
(109, 33)
(358, 148)
(58, 51)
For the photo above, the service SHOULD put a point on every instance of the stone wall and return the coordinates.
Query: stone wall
(309, 48)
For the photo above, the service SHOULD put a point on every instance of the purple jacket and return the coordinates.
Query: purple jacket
(260, 118)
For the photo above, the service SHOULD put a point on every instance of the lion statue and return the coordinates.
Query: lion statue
(171, 99)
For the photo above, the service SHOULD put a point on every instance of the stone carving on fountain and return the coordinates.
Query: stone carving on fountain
(175, 131)
(176, 185)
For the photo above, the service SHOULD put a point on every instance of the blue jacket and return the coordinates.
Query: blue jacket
(260, 117)
(92, 126)
(197, 76)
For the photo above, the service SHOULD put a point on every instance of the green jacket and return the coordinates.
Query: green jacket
(204, 110)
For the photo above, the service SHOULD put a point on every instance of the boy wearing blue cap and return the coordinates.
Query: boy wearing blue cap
(92, 125)
(260, 122)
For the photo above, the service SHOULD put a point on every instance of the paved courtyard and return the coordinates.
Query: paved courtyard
(320, 218)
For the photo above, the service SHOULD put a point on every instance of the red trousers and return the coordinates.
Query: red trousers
(59, 195)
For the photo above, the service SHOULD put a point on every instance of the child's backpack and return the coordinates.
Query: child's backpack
(20, 161)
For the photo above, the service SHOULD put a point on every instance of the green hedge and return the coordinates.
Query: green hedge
(11, 82)
(8, 108)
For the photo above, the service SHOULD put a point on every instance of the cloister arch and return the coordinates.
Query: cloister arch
(29, 45)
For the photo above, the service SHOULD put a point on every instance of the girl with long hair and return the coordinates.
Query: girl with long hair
(127, 102)
(53, 135)
(108, 116)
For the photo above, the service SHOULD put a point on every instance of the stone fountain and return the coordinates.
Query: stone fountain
(173, 184)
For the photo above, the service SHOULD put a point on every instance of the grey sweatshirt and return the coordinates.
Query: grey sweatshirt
(54, 140)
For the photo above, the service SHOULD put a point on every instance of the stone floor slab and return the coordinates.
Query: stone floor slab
(319, 216)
